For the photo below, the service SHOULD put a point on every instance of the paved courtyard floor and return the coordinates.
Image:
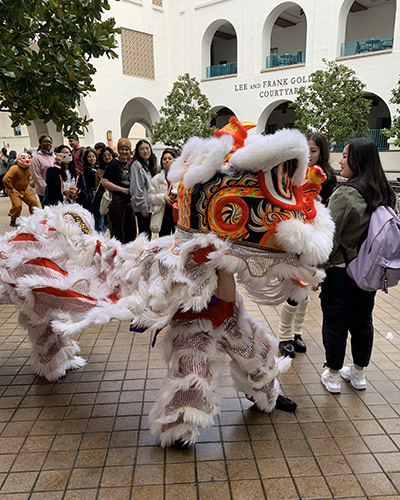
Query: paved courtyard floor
(86, 437)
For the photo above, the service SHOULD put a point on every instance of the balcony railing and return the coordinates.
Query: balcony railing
(222, 69)
(376, 135)
(367, 45)
(287, 59)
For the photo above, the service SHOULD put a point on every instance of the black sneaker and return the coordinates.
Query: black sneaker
(299, 344)
(180, 445)
(285, 404)
(287, 348)
(13, 223)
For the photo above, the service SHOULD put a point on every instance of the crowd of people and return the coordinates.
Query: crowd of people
(142, 197)
(142, 202)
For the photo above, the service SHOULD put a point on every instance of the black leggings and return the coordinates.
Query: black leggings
(346, 308)
(144, 224)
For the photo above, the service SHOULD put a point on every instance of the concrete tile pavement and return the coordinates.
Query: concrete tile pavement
(87, 435)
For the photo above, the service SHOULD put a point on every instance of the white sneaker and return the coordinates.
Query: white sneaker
(354, 376)
(331, 381)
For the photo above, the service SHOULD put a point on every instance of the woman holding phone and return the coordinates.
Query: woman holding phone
(64, 183)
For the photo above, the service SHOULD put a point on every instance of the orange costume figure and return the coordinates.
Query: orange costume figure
(16, 183)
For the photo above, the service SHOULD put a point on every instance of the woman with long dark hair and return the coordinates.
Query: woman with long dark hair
(345, 306)
(162, 197)
(143, 169)
(101, 222)
(89, 161)
(63, 183)
(318, 146)
(293, 313)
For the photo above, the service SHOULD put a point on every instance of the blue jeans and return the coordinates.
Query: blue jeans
(100, 224)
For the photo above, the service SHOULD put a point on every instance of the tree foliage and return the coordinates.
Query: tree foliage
(186, 113)
(333, 104)
(394, 130)
(45, 52)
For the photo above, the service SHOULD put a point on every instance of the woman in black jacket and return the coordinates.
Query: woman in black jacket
(63, 183)
(117, 180)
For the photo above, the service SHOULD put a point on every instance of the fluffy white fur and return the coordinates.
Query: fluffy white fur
(262, 153)
(200, 160)
(254, 368)
(313, 239)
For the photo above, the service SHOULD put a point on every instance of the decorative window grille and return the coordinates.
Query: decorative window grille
(137, 54)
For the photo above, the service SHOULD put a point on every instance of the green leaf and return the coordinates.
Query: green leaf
(45, 55)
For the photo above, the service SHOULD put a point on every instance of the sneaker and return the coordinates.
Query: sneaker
(331, 381)
(354, 376)
(13, 223)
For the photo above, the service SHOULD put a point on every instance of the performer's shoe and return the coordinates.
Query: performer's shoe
(287, 348)
(285, 404)
(299, 344)
(13, 223)
(179, 445)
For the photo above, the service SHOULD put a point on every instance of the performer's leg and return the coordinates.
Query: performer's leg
(186, 399)
(298, 342)
(52, 353)
(254, 366)
(30, 199)
(16, 206)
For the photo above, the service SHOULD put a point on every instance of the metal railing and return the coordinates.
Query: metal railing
(367, 45)
(221, 69)
(288, 59)
(375, 134)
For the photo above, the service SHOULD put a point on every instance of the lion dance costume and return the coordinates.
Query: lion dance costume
(238, 212)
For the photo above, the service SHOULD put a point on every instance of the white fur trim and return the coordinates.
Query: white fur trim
(262, 153)
(315, 240)
(200, 160)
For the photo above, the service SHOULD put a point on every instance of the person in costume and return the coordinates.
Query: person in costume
(240, 218)
(17, 186)
(293, 313)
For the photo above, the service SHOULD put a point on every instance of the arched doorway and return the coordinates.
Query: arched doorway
(285, 36)
(143, 113)
(280, 116)
(368, 26)
(378, 119)
(222, 116)
(219, 49)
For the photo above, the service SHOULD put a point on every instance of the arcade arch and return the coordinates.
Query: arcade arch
(219, 49)
(366, 26)
(223, 114)
(379, 117)
(284, 36)
(276, 116)
(138, 111)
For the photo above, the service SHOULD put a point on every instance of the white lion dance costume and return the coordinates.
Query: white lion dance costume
(244, 216)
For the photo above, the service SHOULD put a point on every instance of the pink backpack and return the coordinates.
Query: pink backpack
(377, 265)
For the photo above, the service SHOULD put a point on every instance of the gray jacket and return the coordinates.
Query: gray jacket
(140, 183)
